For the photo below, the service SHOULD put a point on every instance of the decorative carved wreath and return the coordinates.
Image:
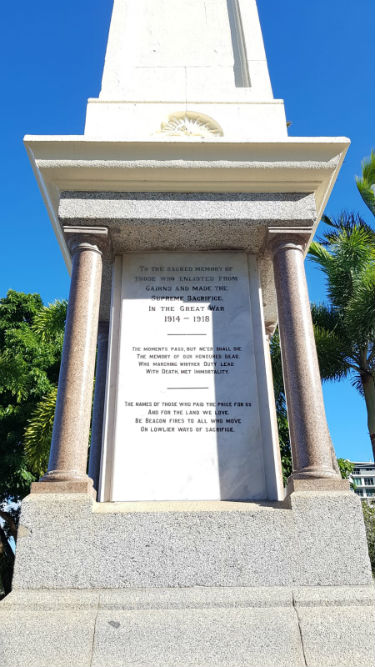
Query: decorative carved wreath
(191, 124)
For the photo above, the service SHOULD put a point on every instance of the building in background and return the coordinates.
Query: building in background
(363, 479)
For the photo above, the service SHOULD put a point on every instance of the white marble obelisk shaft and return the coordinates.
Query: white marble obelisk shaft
(168, 57)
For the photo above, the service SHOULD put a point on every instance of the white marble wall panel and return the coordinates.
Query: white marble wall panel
(184, 420)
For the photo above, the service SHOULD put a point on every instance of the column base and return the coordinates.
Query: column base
(317, 484)
(72, 486)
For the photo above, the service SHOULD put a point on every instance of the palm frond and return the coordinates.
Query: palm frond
(344, 262)
(345, 222)
(328, 221)
(360, 310)
(49, 322)
(277, 372)
(37, 439)
(366, 184)
(318, 254)
(356, 382)
(332, 354)
(326, 317)
(368, 168)
(367, 194)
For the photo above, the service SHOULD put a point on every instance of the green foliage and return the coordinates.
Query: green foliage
(369, 519)
(345, 327)
(284, 442)
(37, 438)
(29, 367)
(49, 323)
(330, 344)
(347, 258)
(30, 353)
(346, 468)
(365, 184)
(277, 372)
(281, 412)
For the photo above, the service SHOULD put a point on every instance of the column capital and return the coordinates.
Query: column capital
(282, 238)
(96, 239)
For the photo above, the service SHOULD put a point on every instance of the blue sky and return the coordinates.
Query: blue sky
(320, 56)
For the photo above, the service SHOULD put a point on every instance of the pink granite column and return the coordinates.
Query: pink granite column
(98, 408)
(68, 457)
(309, 435)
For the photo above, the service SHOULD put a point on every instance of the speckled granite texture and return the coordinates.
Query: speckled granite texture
(200, 627)
(318, 541)
(204, 584)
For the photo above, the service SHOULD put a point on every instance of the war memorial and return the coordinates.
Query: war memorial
(184, 213)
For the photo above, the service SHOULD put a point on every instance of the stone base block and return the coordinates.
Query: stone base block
(196, 584)
(69, 541)
(214, 627)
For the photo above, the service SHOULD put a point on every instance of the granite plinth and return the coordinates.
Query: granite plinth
(190, 584)
(210, 627)
(318, 540)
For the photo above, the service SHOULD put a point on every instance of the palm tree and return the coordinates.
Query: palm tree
(365, 184)
(345, 328)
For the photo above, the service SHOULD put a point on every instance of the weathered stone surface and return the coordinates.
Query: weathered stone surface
(58, 638)
(331, 539)
(337, 625)
(255, 209)
(338, 635)
(211, 637)
(196, 627)
(318, 541)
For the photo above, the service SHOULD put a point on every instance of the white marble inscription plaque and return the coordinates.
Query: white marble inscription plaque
(187, 422)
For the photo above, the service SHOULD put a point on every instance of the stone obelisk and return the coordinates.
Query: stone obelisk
(184, 213)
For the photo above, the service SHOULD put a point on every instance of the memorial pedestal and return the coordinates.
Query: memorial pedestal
(216, 584)
(204, 207)
(199, 583)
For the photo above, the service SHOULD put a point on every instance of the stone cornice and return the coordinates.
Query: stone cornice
(78, 163)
